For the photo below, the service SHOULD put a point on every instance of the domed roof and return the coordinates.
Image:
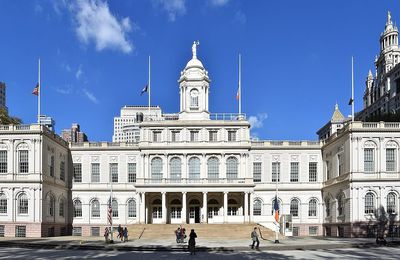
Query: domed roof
(194, 63)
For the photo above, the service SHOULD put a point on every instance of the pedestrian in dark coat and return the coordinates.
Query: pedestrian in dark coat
(192, 242)
(254, 237)
(125, 234)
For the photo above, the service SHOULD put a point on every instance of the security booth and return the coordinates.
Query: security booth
(286, 225)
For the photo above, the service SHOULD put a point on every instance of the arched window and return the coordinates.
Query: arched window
(156, 169)
(23, 206)
(131, 208)
(194, 169)
(391, 203)
(294, 207)
(51, 205)
(194, 98)
(340, 204)
(95, 209)
(3, 203)
(77, 209)
(61, 208)
(257, 207)
(369, 207)
(328, 207)
(312, 208)
(175, 168)
(231, 168)
(114, 206)
(213, 169)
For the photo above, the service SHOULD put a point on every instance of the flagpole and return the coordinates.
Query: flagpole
(240, 84)
(111, 199)
(40, 91)
(149, 83)
(276, 201)
(352, 88)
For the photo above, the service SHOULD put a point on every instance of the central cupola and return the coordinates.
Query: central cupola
(194, 86)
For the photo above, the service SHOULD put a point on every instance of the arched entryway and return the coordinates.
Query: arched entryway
(156, 211)
(175, 210)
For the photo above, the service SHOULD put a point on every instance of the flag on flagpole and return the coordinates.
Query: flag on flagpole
(36, 90)
(145, 89)
(109, 211)
(351, 101)
(238, 94)
(276, 209)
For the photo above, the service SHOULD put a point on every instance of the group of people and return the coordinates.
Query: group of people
(180, 238)
(122, 234)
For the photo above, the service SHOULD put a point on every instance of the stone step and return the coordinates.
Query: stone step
(167, 231)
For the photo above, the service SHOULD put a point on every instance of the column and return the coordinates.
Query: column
(204, 214)
(225, 206)
(164, 207)
(142, 208)
(183, 215)
(251, 207)
(246, 207)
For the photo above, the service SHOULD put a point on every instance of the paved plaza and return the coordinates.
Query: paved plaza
(349, 253)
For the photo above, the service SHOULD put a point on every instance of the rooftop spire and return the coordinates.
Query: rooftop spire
(389, 18)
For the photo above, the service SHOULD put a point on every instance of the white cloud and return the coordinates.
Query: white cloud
(218, 2)
(79, 73)
(174, 8)
(65, 90)
(96, 23)
(240, 17)
(90, 96)
(257, 121)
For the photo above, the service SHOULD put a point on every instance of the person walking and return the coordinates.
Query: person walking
(125, 234)
(106, 234)
(192, 242)
(254, 237)
(119, 230)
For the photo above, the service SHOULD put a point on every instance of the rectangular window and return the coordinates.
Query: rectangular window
(194, 136)
(2, 230)
(95, 172)
(369, 159)
(3, 204)
(390, 160)
(131, 172)
(257, 172)
(276, 171)
(294, 171)
(328, 170)
(20, 231)
(3, 162)
(95, 231)
(23, 161)
(52, 166)
(340, 164)
(313, 230)
(175, 136)
(312, 171)
(213, 135)
(62, 171)
(156, 136)
(231, 136)
(114, 172)
(77, 172)
(77, 231)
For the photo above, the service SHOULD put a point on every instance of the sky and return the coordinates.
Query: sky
(296, 58)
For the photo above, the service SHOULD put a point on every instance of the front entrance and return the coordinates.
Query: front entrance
(194, 215)
(194, 211)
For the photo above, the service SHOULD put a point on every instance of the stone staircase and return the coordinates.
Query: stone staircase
(203, 231)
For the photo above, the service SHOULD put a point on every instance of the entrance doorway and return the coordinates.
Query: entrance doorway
(194, 211)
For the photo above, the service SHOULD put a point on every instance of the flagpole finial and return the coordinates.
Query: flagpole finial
(194, 49)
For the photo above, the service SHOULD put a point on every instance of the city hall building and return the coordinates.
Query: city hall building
(200, 167)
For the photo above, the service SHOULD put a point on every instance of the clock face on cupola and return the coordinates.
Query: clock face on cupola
(194, 86)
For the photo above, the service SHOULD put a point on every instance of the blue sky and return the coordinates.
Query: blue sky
(296, 58)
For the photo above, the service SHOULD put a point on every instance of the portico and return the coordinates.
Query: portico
(190, 207)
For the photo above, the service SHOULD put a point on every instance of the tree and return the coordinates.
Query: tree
(6, 119)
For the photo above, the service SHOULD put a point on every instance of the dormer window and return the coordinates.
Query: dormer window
(194, 99)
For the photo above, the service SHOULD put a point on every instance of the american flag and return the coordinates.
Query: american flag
(109, 211)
